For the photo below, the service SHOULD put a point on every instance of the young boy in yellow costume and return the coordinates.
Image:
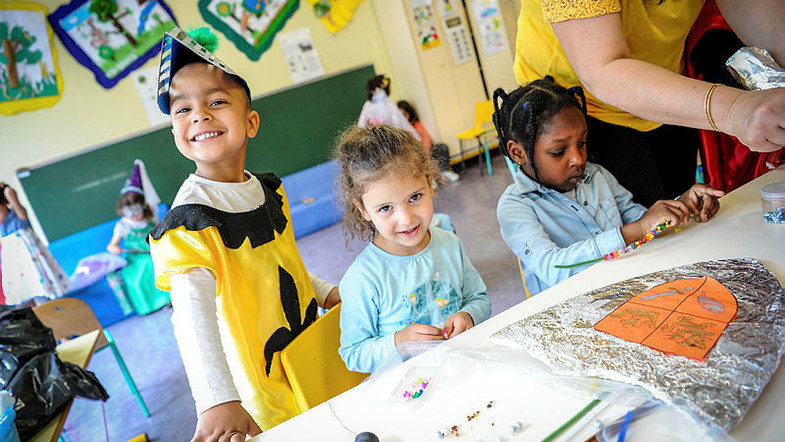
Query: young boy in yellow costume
(226, 251)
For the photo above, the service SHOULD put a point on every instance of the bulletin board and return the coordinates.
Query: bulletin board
(298, 130)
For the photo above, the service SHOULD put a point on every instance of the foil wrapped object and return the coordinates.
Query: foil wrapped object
(755, 69)
(719, 391)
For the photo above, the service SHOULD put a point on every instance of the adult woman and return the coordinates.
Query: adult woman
(627, 54)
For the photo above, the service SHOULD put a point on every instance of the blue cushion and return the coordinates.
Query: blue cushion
(313, 198)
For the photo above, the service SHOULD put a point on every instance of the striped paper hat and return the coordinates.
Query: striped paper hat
(177, 50)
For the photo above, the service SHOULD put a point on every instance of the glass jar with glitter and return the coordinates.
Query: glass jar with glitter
(773, 201)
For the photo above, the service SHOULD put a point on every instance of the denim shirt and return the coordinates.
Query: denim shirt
(544, 227)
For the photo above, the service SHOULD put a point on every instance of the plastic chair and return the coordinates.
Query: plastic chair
(313, 366)
(483, 128)
(68, 317)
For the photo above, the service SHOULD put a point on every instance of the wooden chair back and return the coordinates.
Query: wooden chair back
(68, 318)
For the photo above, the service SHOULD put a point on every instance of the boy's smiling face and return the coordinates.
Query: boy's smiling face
(211, 121)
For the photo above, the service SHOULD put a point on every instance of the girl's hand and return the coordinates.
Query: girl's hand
(227, 422)
(458, 323)
(702, 200)
(674, 212)
(114, 249)
(418, 332)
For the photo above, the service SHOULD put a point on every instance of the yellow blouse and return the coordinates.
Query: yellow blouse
(655, 33)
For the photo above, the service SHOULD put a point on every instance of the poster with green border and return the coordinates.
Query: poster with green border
(250, 24)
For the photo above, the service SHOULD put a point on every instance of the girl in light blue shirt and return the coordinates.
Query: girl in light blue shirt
(562, 209)
(412, 282)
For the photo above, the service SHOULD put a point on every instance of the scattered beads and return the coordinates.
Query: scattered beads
(418, 387)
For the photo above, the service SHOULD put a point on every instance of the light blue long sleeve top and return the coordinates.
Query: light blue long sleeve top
(382, 293)
(544, 227)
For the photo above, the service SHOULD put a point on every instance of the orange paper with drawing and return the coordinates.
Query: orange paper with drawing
(684, 317)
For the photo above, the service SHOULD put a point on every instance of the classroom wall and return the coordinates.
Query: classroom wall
(89, 116)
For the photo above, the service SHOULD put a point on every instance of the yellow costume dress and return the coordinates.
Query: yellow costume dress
(264, 294)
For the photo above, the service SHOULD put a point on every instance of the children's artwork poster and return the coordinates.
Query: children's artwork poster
(424, 25)
(300, 54)
(112, 38)
(250, 24)
(334, 14)
(146, 81)
(489, 24)
(29, 76)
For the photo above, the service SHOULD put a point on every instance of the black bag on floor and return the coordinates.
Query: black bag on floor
(31, 371)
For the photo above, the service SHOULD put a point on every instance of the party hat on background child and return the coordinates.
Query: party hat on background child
(139, 182)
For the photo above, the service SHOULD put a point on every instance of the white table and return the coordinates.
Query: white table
(738, 230)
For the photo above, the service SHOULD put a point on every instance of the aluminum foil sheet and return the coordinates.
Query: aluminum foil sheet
(720, 390)
(755, 69)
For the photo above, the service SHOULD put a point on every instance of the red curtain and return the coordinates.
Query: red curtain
(727, 163)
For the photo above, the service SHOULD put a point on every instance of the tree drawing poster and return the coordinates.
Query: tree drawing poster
(29, 76)
(250, 24)
(112, 38)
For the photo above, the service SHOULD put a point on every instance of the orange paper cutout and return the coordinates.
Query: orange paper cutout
(685, 317)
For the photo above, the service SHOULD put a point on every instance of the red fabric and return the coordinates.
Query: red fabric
(727, 163)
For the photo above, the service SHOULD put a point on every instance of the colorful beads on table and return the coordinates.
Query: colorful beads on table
(646, 238)
(418, 387)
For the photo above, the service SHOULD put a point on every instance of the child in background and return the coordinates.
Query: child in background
(562, 209)
(226, 251)
(30, 272)
(379, 109)
(411, 282)
(439, 151)
(132, 230)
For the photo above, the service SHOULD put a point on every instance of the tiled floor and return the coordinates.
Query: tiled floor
(150, 351)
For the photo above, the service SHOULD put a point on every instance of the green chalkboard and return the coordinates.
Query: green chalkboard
(298, 128)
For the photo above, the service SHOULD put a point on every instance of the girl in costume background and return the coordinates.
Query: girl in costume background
(410, 283)
(134, 205)
(30, 272)
(562, 209)
(380, 109)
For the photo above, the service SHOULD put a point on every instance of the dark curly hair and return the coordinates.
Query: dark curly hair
(524, 112)
(409, 109)
(369, 154)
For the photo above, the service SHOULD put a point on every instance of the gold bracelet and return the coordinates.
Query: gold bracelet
(706, 105)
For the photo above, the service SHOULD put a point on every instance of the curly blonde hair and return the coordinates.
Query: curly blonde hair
(369, 154)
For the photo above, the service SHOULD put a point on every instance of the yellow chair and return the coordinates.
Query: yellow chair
(483, 130)
(70, 317)
(313, 366)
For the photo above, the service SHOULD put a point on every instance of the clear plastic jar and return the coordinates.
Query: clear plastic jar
(772, 198)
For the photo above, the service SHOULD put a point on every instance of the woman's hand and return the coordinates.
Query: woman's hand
(458, 323)
(418, 332)
(227, 422)
(702, 200)
(757, 119)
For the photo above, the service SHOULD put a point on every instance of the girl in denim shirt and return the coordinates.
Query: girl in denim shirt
(562, 209)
